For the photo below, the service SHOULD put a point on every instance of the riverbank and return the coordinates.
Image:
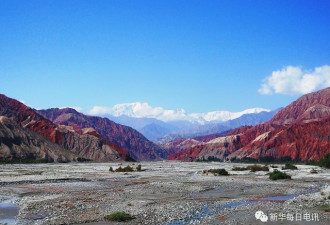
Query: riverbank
(164, 193)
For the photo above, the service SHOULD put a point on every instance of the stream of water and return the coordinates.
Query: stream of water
(8, 210)
(206, 210)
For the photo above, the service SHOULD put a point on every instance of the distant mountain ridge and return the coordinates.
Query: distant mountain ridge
(144, 110)
(300, 131)
(163, 132)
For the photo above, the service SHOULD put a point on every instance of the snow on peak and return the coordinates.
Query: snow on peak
(224, 115)
(144, 110)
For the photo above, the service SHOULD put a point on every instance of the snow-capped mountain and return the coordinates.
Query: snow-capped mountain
(222, 116)
(144, 110)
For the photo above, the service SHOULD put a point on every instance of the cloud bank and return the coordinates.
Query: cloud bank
(139, 110)
(292, 80)
(144, 110)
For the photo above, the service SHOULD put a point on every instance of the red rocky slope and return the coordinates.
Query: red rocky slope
(313, 106)
(18, 143)
(87, 145)
(125, 137)
(300, 130)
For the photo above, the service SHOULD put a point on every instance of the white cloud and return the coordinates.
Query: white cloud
(100, 110)
(139, 110)
(292, 80)
(144, 110)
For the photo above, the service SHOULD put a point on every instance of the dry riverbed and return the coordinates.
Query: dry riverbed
(164, 193)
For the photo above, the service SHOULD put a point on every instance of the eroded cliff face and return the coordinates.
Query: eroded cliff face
(301, 131)
(306, 140)
(21, 143)
(320, 100)
(124, 137)
(86, 143)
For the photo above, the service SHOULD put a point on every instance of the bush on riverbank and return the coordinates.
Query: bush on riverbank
(126, 169)
(252, 168)
(276, 175)
(255, 168)
(264, 159)
(239, 168)
(209, 159)
(216, 172)
(289, 166)
(324, 162)
(119, 217)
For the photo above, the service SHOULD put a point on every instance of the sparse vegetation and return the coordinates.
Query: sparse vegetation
(265, 159)
(126, 169)
(239, 168)
(80, 159)
(252, 168)
(324, 162)
(289, 166)
(216, 172)
(276, 175)
(313, 171)
(255, 168)
(119, 217)
(209, 159)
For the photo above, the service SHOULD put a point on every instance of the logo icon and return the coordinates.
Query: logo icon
(260, 215)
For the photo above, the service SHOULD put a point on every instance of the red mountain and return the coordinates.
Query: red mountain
(125, 137)
(17, 143)
(300, 130)
(310, 106)
(85, 143)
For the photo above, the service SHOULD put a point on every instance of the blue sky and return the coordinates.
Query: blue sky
(197, 55)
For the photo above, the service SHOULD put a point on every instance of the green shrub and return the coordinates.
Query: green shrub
(275, 175)
(239, 168)
(325, 161)
(209, 159)
(289, 166)
(119, 217)
(111, 169)
(217, 172)
(314, 171)
(255, 168)
(125, 169)
(252, 168)
(139, 168)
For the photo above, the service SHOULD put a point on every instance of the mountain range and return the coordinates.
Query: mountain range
(139, 147)
(165, 131)
(84, 137)
(299, 131)
(144, 110)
